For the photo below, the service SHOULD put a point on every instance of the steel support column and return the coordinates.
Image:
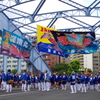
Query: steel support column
(19, 66)
(5, 63)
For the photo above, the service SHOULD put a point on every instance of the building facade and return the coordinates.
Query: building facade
(51, 60)
(12, 63)
(72, 57)
(92, 61)
(80, 57)
(66, 60)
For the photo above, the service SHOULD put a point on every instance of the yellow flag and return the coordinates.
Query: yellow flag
(43, 33)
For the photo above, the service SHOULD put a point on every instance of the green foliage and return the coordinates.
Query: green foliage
(75, 64)
(89, 70)
(68, 68)
(14, 71)
(22, 71)
(59, 67)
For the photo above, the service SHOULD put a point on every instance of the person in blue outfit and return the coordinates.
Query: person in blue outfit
(73, 82)
(46, 79)
(15, 81)
(99, 81)
(9, 80)
(48, 84)
(56, 81)
(78, 82)
(0, 79)
(36, 81)
(52, 80)
(29, 81)
(23, 79)
(87, 81)
(20, 81)
(96, 82)
(33, 81)
(3, 77)
(83, 82)
(64, 80)
(41, 80)
(92, 81)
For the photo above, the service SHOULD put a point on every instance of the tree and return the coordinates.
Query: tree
(68, 68)
(60, 68)
(88, 69)
(14, 71)
(75, 65)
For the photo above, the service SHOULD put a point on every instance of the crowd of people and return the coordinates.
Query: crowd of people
(45, 82)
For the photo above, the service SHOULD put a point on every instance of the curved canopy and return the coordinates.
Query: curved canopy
(65, 15)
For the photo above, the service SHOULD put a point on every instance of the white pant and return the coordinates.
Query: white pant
(73, 88)
(83, 88)
(87, 86)
(96, 86)
(39, 86)
(3, 85)
(64, 86)
(23, 87)
(9, 87)
(36, 85)
(28, 87)
(79, 86)
(91, 87)
(42, 86)
(46, 86)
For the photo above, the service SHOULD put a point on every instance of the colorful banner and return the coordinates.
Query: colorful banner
(46, 42)
(76, 42)
(15, 46)
(98, 42)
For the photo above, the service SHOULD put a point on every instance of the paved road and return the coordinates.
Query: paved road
(50, 95)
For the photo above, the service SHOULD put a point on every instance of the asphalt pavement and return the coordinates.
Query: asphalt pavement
(53, 94)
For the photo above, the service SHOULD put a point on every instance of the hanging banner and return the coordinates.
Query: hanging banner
(76, 42)
(15, 46)
(46, 42)
(98, 42)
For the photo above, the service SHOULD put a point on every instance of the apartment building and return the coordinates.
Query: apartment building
(12, 63)
(80, 57)
(51, 60)
(92, 61)
(67, 60)
(72, 57)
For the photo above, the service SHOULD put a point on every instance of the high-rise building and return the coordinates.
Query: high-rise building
(80, 57)
(66, 60)
(72, 57)
(92, 61)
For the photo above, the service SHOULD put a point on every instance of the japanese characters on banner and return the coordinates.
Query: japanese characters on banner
(46, 42)
(76, 42)
(14, 45)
